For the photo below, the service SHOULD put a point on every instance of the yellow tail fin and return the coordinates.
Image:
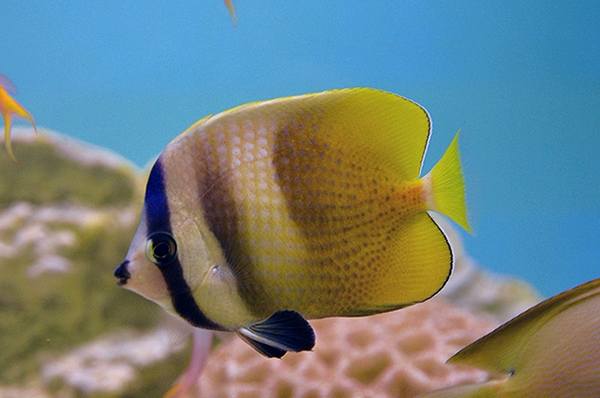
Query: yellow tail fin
(447, 187)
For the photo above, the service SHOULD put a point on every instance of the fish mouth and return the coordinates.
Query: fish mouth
(122, 273)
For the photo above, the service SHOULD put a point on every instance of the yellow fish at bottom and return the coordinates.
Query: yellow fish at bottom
(296, 208)
(551, 350)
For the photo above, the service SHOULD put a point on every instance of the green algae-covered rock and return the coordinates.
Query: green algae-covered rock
(54, 169)
(67, 214)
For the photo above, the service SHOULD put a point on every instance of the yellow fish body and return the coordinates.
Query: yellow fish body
(300, 207)
(551, 350)
(9, 107)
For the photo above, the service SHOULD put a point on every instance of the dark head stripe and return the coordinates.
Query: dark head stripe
(158, 219)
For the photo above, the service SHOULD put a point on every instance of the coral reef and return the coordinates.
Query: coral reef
(398, 354)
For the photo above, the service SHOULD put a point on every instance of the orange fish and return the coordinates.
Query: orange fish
(9, 107)
(231, 9)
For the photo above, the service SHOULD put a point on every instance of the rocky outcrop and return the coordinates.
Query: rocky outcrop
(67, 213)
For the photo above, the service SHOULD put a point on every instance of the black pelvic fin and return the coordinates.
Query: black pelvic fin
(281, 332)
(266, 350)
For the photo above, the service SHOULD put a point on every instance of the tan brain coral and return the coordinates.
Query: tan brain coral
(398, 354)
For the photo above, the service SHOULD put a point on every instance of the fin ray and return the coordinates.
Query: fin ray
(447, 187)
(263, 349)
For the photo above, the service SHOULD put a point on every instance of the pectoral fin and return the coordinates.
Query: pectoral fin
(282, 332)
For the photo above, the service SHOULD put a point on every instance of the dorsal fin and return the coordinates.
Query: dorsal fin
(497, 351)
(393, 129)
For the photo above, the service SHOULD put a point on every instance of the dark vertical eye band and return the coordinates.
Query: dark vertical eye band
(161, 249)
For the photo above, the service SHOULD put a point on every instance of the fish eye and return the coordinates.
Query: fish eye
(161, 248)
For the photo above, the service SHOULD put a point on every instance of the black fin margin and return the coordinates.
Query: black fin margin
(281, 332)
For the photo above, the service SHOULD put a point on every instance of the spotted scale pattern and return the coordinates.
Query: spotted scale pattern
(306, 222)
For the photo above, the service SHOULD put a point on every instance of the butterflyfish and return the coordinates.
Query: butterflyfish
(551, 350)
(296, 208)
(9, 107)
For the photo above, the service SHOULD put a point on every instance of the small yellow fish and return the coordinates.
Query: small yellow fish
(296, 208)
(8, 107)
(550, 350)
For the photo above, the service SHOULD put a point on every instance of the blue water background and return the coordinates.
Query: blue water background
(520, 78)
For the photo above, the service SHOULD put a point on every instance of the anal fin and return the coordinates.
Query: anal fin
(282, 332)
